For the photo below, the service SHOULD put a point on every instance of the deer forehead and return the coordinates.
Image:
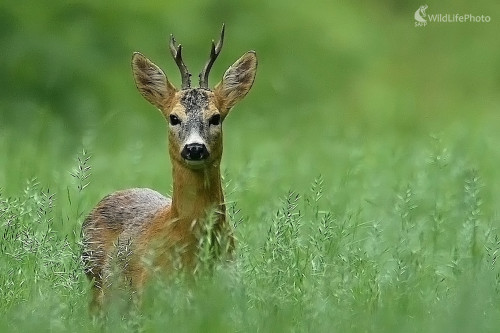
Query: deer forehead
(195, 103)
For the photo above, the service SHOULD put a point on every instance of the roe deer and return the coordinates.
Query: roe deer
(137, 224)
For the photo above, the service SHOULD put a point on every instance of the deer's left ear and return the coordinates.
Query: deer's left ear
(236, 82)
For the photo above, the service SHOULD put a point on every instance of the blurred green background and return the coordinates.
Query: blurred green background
(401, 122)
(328, 71)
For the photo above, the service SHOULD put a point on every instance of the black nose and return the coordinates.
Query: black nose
(194, 152)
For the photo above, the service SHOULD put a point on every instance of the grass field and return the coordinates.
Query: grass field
(361, 171)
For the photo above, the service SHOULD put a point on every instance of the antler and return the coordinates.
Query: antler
(177, 54)
(214, 52)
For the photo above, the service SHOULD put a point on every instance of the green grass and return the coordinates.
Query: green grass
(403, 239)
(361, 170)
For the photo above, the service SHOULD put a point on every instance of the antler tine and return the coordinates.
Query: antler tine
(214, 53)
(177, 55)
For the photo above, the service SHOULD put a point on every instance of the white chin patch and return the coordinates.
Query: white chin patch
(195, 164)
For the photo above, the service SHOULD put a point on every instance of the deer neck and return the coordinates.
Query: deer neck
(196, 192)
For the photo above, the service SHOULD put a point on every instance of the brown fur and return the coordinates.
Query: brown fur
(135, 231)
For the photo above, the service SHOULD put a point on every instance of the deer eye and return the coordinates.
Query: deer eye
(174, 120)
(214, 120)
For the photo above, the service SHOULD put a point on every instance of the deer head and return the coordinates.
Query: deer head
(195, 115)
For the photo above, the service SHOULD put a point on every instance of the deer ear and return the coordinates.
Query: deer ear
(151, 81)
(236, 82)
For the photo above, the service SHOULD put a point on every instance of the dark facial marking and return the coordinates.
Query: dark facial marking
(194, 100)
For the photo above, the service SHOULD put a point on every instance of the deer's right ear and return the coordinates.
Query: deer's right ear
(151, 81)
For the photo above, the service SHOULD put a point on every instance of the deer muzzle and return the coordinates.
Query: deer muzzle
(195, 152)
